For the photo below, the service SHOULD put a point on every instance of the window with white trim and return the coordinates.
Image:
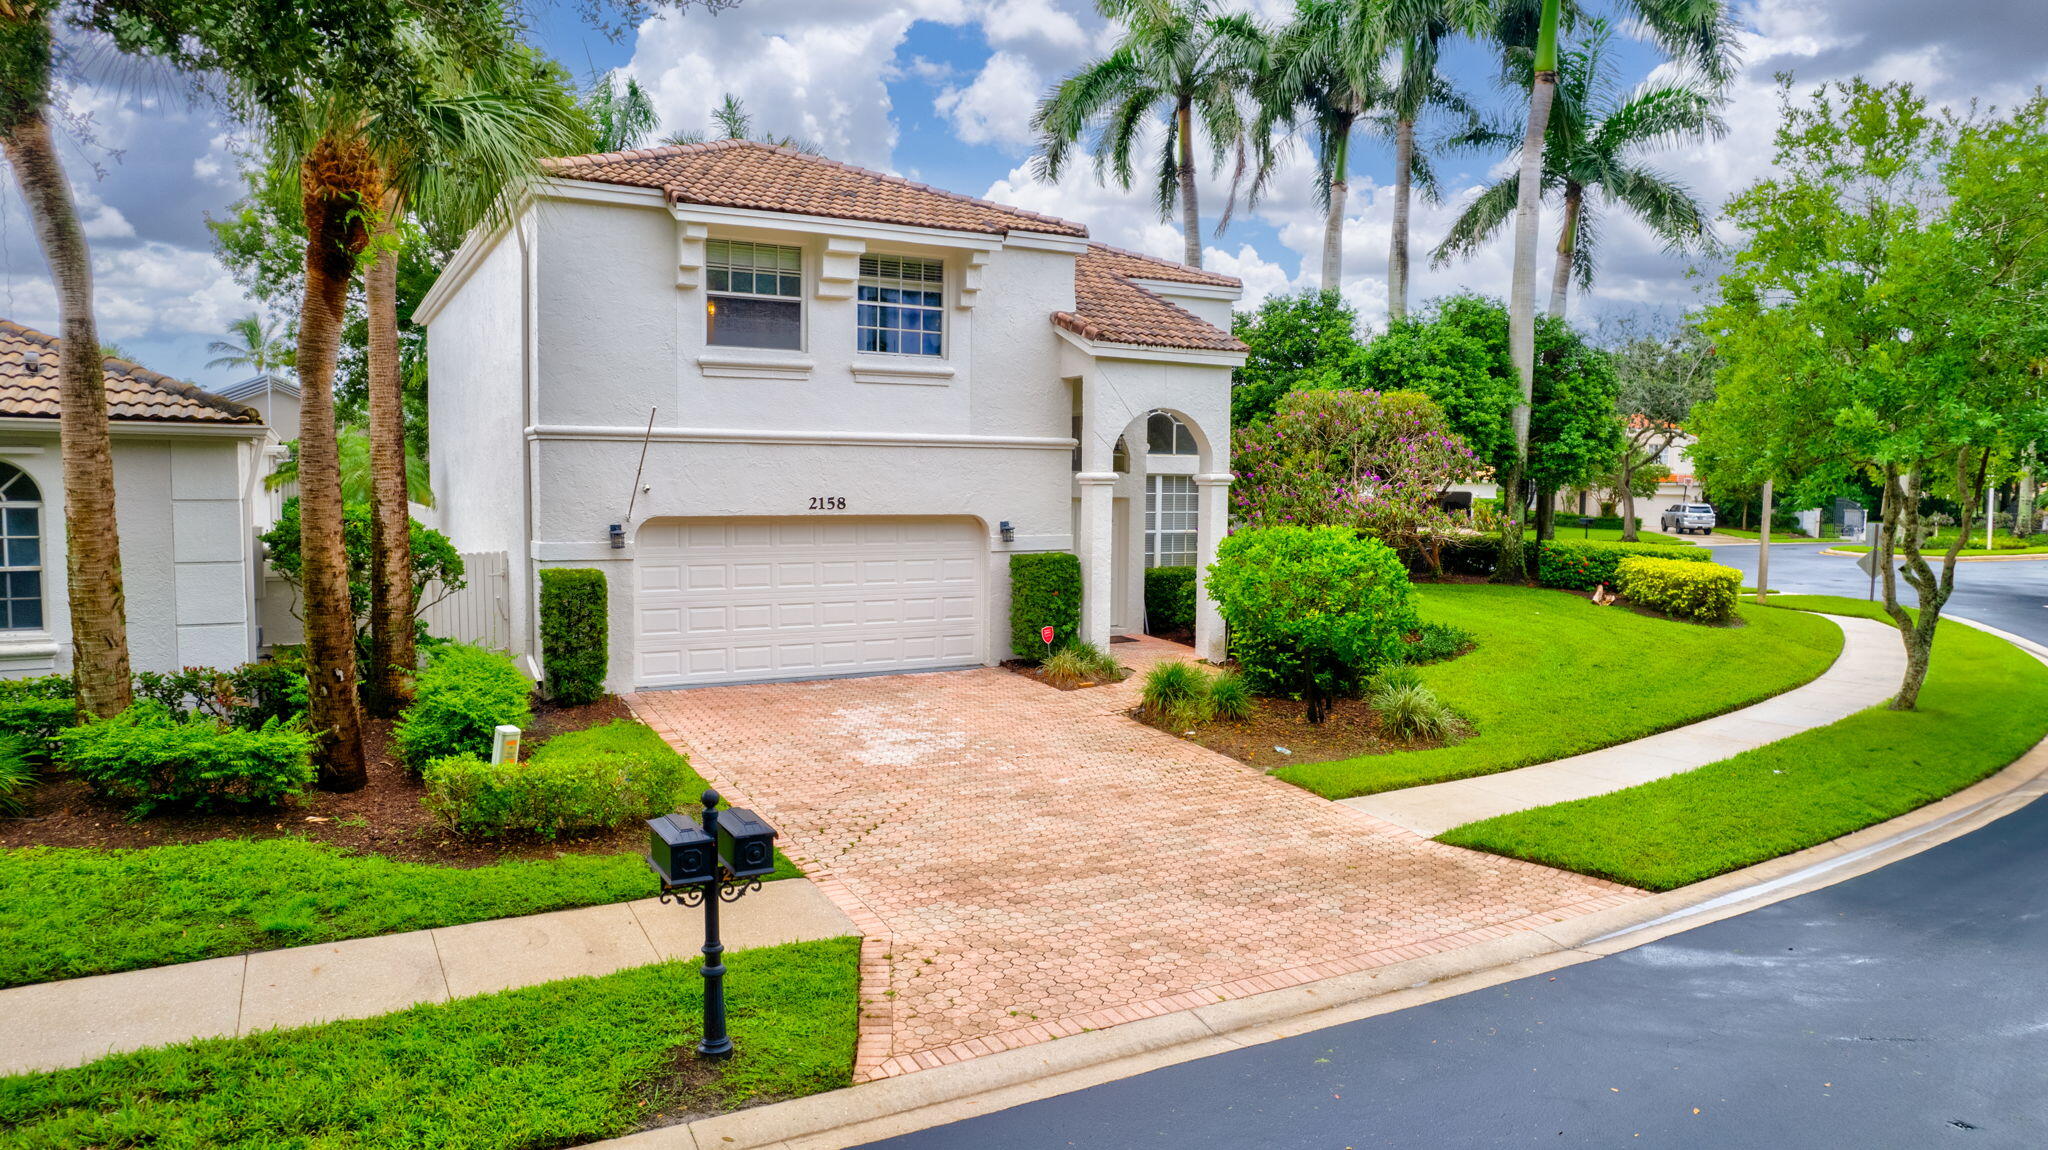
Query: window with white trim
(21, 551)
(1171, 512)
(902, 306)
(753, 295)
(1165, 435)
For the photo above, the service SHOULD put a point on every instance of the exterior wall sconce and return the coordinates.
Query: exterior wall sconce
(703, 864)
(1009, 532)
(618, 537)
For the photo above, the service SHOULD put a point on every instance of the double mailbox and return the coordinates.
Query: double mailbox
(682, 854)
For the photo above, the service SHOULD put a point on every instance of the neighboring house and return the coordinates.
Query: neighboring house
(864, 395)
(188, 468)
(274, 397)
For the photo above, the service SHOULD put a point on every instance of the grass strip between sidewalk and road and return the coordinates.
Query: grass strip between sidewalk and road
(550, 1065)
(1984, 704)
(72, 911)
(1553, 676)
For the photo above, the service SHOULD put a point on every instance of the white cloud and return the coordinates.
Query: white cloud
(997, 107)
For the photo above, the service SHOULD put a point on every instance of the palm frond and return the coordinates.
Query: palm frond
(1481, 220)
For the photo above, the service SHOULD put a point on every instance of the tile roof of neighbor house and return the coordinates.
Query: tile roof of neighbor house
(28, 386)
(1110, 306)
(744, 174)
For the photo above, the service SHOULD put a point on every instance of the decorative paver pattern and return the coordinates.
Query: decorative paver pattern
(1030, 863)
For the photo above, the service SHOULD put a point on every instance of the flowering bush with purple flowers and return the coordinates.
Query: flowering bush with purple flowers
(1372, 460)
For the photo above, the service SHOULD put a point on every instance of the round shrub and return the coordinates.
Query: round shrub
(1313, 611)
(576, 782)
(461, 697)
(1702, 592)
(147, 757)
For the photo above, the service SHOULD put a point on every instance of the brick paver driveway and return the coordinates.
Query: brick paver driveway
(1029, 863)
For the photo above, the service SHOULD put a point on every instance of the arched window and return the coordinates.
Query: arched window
(1165, 435)
(21, 551)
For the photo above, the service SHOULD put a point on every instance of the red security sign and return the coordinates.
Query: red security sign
(1045, 635)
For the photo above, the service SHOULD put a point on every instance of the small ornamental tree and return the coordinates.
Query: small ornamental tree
(1292, 342)
(1374, 461)
(434, 561)
(1313, 611)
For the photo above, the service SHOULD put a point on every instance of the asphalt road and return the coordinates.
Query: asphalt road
(1902, 1008)
(2009, 594)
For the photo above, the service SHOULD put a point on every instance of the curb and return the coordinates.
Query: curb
(1959, 558)
(899, 1105)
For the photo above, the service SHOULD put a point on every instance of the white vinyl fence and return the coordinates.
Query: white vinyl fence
(480, 613)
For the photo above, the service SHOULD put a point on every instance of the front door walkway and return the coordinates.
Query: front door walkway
(1029, 863)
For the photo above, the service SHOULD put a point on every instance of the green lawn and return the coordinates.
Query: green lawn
(550, 1065)
(1776, 536)
(66, 912)
(1984, 703)
(1566, 533)
(1554, 676)
(1935, 549)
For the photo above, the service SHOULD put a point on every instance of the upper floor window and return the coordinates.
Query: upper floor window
(21, 551)
(754, 295)
(1165, 435)
(902, 306)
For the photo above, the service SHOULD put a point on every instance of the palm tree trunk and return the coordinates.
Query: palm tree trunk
(1333, 220)
(99, 629)
(2024, 516)
(392, 651)
(1190, 210)
(1397, 250)
(1522, 293)
(1567, 249)
(339, 184)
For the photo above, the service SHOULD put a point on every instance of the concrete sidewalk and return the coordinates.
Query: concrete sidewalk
(1866, 673)
(51, 1025)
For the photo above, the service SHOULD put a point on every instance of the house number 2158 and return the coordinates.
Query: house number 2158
(828, 502)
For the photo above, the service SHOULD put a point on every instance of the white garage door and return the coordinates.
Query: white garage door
(735, 600)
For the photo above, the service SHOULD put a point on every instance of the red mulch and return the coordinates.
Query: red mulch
(1350, 730)
(385, 817)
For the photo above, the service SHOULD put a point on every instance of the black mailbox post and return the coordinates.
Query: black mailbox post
(717, 860)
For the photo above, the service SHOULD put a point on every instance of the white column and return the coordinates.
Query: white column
(1095, 545)
(1212, 522)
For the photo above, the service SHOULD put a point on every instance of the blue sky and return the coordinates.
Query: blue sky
(941, 91)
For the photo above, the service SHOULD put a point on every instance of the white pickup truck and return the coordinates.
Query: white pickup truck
(1681, 518)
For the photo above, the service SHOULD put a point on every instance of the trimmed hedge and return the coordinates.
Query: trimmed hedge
(1583, 565)
(1045, 591)
(37, 708)
(582, 781)
(574, 625)
(147, 757)
(459, 700)
(1169, 599)
(1702, 592)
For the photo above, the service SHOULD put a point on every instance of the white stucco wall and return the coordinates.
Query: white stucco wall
(185, 506)
(618, 328)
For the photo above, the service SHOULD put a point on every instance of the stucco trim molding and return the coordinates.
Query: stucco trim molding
(128, 428)
(591, 434)
(716, 365)
(38, 647)
(915, 374)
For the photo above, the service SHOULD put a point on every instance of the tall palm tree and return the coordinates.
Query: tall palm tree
(734, 122)
(1417, 30)
(621, 114)
(1178, 61)
(480, 125)
(1324, 68)
(256, 344)
(1696, 33)
(92, 551)
(1595, 137)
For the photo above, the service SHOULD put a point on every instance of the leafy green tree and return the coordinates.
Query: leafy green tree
(1593, 154)
(1313, 611)
(437, 565)
(1661, 380)
(621, 114)
(1696, 34)
(1882, 318)
(1305, 340)
(1177, 61)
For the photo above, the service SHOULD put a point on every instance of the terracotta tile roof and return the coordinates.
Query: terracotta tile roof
(1111, 307)
(743, 174)
(133, 392)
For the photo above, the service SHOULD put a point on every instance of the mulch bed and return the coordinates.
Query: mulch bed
(1352, 729)
(1033, 671)
(385, 817)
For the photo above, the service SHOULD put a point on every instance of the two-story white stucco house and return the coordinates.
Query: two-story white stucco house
(188, 473)
(802, 413)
